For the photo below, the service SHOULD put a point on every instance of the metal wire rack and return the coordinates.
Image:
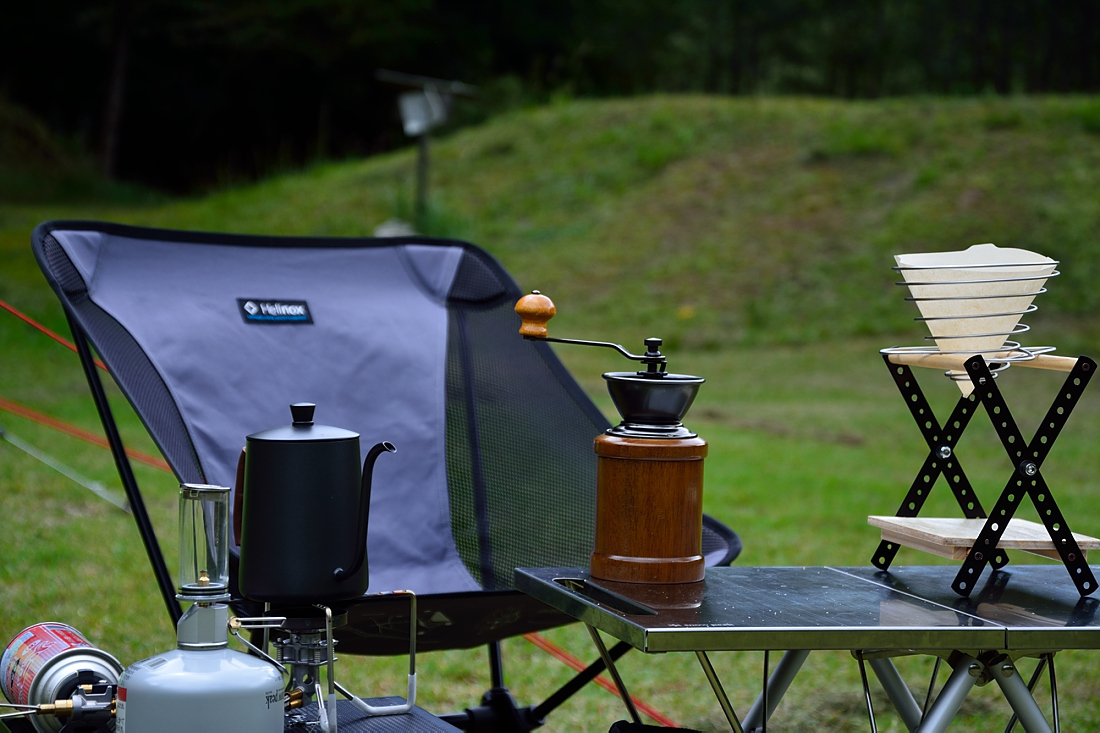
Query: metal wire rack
(975, 307)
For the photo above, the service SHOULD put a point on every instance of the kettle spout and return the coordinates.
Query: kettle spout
(364, 510)
(372, 455)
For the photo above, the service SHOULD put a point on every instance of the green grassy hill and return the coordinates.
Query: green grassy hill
(722, 221)
(755, 235)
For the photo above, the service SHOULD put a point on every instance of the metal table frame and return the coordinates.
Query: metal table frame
(1029, 611)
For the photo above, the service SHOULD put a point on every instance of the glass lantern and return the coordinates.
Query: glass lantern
(204, 543)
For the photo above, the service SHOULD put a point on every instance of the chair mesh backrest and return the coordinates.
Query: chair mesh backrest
(522, 499)
(495, 467)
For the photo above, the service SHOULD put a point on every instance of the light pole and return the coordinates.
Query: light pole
(424, 107)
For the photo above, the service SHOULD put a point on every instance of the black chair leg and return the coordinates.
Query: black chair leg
(498, 710)
(582, 678)
(496, 665)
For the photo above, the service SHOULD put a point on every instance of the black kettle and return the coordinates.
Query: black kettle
(305, 510)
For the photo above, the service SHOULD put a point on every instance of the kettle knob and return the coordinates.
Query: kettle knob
(535, 310)
(303, 412)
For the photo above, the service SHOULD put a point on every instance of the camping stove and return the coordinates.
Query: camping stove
(304, 647)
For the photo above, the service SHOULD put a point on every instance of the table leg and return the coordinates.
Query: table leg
(785, 671)
(931, 686)
(1019, 697)
(609, 663)
(867, 693)
(1054, 694)
(719, 692)
(1039, 669)
(965, 672)
(897, 691)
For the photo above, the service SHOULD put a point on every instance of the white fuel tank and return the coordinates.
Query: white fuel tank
(211, 688)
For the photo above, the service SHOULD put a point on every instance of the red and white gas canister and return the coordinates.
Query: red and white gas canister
(45, 662)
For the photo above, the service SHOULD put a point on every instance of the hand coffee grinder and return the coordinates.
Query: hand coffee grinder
(649, 482)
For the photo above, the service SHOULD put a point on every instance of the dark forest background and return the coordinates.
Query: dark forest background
(184, 94)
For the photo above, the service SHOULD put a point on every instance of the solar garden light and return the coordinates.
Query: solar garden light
(423, 108)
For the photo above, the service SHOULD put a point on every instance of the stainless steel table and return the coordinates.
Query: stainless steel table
(1026, 610)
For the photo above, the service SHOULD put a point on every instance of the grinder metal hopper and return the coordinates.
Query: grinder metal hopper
(972, 301)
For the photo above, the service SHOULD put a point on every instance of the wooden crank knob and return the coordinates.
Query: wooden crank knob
(535, 310)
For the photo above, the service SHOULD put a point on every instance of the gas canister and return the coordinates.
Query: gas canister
(46, 662)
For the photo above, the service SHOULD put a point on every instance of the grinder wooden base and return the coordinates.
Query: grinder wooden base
(649, 510)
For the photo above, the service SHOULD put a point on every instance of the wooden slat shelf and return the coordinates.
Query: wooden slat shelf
(953, 538)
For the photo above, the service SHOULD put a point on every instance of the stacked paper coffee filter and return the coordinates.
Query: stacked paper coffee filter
(972, 301)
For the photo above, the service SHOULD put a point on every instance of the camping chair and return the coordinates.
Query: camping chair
(411, 340)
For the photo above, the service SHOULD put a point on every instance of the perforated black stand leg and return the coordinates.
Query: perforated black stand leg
(941, 458)
(1027, 478)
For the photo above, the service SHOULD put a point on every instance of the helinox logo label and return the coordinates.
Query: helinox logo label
(257, 310)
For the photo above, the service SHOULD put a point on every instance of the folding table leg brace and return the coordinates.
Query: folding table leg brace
(966, 672)
(708, 670)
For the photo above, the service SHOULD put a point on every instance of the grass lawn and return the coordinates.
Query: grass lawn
(756, 237)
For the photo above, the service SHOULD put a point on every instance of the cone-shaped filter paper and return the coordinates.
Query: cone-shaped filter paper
(972, 300)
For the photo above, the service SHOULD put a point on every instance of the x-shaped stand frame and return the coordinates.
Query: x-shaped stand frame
(942, 458)
(1027, 459)
(1027, 477)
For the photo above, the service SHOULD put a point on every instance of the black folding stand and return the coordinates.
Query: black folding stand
(1026, 477)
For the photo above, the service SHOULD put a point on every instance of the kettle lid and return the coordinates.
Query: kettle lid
(303, 429)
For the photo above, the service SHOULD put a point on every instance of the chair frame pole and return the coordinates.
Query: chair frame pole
(126, 472)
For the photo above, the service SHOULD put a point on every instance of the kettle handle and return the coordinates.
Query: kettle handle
(364, 510)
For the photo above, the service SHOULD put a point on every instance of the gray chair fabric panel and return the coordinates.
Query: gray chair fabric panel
(132, 369)
(373, 365)
(433, 268)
